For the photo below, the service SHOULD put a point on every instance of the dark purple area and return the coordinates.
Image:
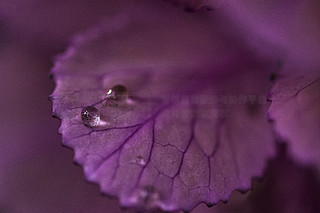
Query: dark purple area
(36, 172)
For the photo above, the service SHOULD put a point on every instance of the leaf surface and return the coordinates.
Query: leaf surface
(194, 128)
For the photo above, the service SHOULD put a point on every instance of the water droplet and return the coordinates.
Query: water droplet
(118, 93)
(90, 116)
(140, 161)
(148, 196)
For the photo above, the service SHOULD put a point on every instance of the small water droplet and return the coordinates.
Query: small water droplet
(148, 196)
(139, 160)
(90, 116)
(118, 93)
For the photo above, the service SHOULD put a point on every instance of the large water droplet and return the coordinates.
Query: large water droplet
(148, 196)
(90, 116)
(118, 93)
(116, 96)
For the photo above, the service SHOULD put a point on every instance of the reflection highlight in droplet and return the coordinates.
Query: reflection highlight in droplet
(140, 161)
(118, 93)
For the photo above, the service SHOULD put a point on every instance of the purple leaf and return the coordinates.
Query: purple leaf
(295, 110)
(194, 126)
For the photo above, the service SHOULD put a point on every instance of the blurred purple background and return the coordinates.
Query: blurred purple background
(36, 172)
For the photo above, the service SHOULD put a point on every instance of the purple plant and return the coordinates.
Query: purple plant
(168, 108)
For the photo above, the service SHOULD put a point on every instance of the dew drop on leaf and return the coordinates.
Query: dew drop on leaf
(90, 116)
(118, 93)
(140, 161)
